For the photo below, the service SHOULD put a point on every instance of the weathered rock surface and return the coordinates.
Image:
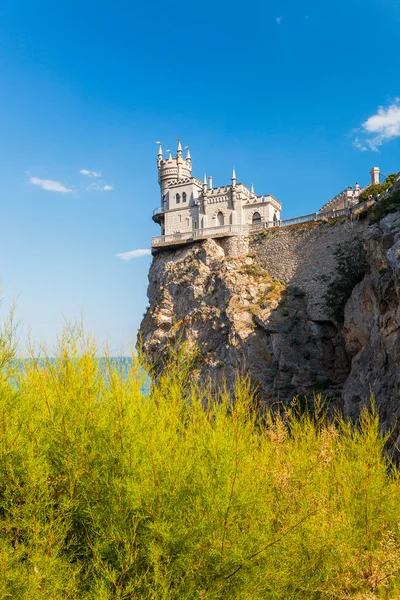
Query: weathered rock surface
(254, 305)
(372, 326)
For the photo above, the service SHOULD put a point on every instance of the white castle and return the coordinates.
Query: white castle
(191, 209)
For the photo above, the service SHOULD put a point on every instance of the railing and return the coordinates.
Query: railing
(223, 230)
(303, 219)
(158, 211)
(256, 227)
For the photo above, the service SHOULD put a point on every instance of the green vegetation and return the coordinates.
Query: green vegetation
(378, 188)
(109, 492)
(296, 291)
(385, 206)
(254, 270)
(350, 269)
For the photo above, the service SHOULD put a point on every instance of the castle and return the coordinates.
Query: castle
(191, 209)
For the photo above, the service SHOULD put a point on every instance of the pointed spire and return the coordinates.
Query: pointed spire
(233, 174)
(205, 179)
(252, 188)
(160, 152)
(170, 155)
(179, 152)
(188, 157)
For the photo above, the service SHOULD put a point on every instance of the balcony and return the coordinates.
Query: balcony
(158, 214)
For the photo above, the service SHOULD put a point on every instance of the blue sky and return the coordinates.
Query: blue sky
(301, 96)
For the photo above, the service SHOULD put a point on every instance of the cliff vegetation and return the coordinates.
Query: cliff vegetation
(110, 491)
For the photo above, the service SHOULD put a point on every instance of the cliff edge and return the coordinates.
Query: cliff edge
(259, 304)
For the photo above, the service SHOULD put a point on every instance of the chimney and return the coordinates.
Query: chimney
(374, 175)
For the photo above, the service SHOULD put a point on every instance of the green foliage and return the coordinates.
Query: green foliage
(296, 291)
(254, 270)
(378, 188)
(385, 206)
(107, 492)
(351, 266)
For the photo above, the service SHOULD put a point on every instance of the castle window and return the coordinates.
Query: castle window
(275, 219)
(220, 218)
(184, 196)
(178, 198)
(256, 218)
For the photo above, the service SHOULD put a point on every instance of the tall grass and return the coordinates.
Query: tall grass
(109, 492)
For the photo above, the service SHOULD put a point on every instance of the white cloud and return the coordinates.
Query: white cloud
(50, 185)
(90, 173)
(278, 20)
(134, 254)
(100, 187)
(379, 128)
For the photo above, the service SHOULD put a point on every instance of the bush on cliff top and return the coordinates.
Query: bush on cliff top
(385, 206)
(351, 266)
(107, 492)
(378, 188)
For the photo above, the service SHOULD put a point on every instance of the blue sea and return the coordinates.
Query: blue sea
(122, 363)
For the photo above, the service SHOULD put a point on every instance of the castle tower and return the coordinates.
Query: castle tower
(172, 169)
(375, 174)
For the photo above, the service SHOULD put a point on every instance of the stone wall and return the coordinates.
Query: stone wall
(301, 254)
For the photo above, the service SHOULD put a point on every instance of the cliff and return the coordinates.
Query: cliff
(258, 305)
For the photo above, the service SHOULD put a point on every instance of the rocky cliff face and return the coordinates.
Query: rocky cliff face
(372, 326)
(255, 305)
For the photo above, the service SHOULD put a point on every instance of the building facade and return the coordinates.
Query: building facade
(190, 206)
(349, 196)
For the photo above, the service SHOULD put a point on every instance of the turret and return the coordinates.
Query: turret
(375, 174)
(172, 169)
(179, 159)
(159, 154)
(233, 189)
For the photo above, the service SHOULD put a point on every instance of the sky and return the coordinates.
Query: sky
(301, 96)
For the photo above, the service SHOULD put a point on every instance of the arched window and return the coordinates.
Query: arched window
(275, 219)
(256, 218)
(178, 198)
(220, 218)
(184, 196)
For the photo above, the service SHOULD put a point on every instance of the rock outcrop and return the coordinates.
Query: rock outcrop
(255, 305)
(372, 326)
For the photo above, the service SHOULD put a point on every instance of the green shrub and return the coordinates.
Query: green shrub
(297, 292)
(377, 188)
(254, 270)
(351, 266)
(109, 492)
(385, 206)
